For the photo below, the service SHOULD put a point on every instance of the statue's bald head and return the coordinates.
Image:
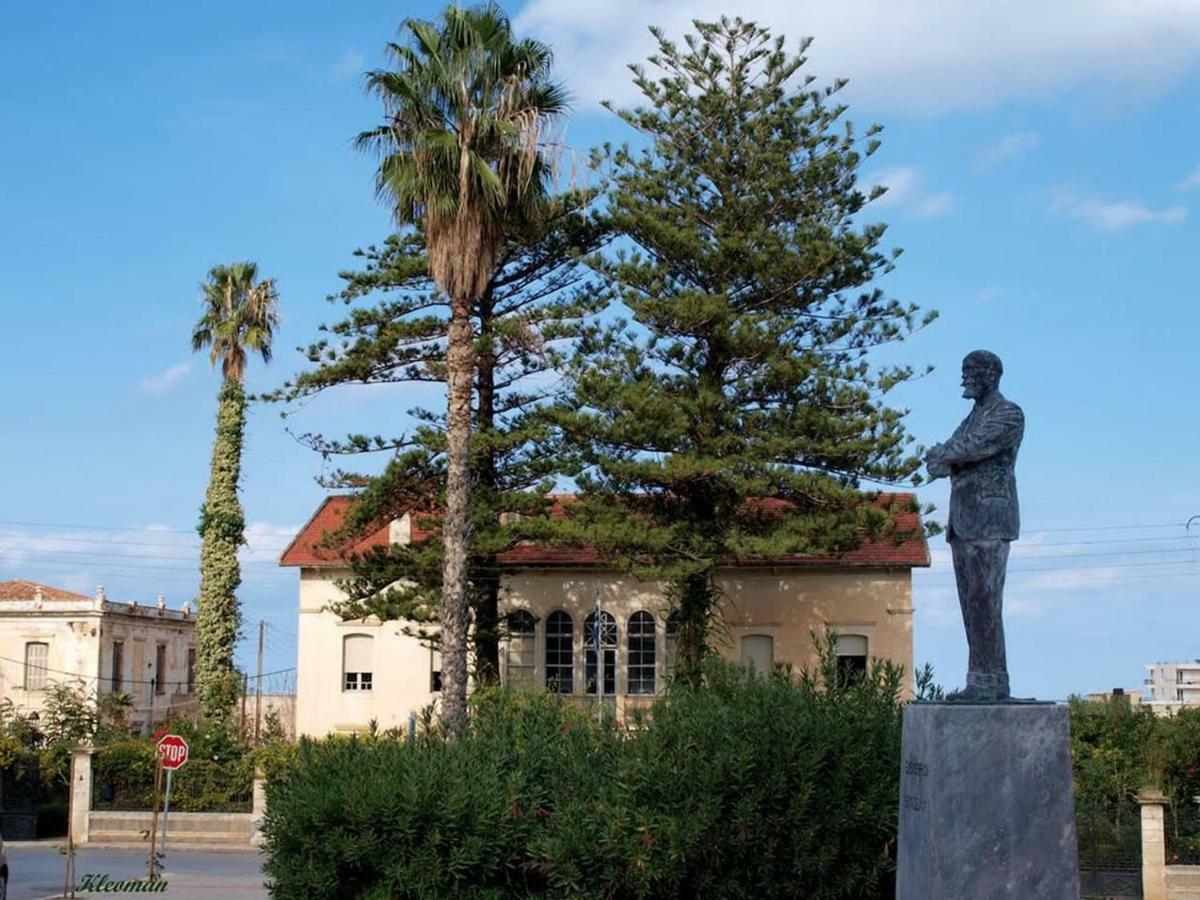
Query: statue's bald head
(981, 373)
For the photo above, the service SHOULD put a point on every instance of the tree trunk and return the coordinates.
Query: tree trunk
(455, 613)
(696, 596)
(222, 525)
(487, 625)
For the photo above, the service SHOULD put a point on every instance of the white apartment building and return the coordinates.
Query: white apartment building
(1172, 685)
(51, 635)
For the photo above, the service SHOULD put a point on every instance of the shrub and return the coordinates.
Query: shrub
(749, 786)
(124, 777)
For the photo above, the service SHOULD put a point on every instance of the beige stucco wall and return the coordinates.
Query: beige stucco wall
(80, 636)
(787, 605)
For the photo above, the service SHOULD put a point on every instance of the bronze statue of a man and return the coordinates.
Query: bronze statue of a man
(979, 459)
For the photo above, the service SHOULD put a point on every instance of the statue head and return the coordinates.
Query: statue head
(981, 371)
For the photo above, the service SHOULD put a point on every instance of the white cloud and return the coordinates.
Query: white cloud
(161, 383)
(1193, 180)
(929, 57)
(1008, 147)
(934, 205)
(351, 65)
(1113, 215)
(906, 190)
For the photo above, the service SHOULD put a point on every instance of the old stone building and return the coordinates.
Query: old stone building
(51, 635)
(352, 672)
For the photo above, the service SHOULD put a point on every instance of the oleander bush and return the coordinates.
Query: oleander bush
(123, 776)
(746, 786)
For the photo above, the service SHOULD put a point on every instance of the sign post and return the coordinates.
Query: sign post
(172, 754)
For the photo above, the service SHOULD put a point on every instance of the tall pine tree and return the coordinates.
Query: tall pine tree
(742, 371)
(535, 305)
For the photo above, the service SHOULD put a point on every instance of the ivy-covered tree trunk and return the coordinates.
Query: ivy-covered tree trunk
(222, 526)
(697, 597)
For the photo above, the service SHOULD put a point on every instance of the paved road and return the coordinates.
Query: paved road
(37, 871)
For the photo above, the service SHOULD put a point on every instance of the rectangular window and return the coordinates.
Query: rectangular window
(851, 658)
(758, 652)
(35, 666)
(356, 662)
(160, 668)
(191, 670)
(116, 679)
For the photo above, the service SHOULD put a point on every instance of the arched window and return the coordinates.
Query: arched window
(604, 637)
(640, 637)
(758, 652)
(851, 657)
(358, 670)
(560, 668)
(670, 645)
(518, 649)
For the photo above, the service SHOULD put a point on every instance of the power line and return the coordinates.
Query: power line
(138, 558)
(84, 677)
(1022, 569)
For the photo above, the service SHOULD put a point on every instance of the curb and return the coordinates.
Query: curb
(143, 846)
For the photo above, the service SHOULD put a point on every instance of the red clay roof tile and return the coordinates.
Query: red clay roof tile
(307, 549)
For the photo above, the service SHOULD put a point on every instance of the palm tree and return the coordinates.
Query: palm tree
(240, 316)
(461, 157)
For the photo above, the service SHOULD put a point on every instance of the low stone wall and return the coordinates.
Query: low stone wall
(183, 828)
(1183, 882)
(99, 827)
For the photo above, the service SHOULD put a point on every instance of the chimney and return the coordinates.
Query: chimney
(400, 530)
(98, 602)
(161, 603)
(187, 608)
(37, 596)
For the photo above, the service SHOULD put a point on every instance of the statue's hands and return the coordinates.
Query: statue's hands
(934, 464)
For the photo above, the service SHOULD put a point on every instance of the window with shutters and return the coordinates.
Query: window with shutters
(116, 673)
(758, 652)
(519, 649)
(36, 654)
(191, 670)
(851, 657)
(357, 667)
(160, 668)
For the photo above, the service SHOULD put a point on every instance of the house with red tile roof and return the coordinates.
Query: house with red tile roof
(50, 635)
(352, 672)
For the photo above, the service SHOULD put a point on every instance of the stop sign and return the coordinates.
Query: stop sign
(172, 751)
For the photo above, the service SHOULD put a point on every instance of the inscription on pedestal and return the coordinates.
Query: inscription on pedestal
(985, 804)
(914, 785)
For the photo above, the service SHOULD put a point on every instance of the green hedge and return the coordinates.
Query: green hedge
(748, 787)
(124, 779)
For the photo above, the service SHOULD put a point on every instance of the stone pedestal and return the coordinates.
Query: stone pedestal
(986, 806)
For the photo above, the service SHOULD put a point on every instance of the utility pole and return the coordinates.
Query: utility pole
(245, 690)
(262, 630)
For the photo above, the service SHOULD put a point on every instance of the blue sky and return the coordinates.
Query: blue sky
(1044, 168)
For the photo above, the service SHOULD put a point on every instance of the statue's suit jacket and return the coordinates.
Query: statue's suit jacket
(982, 454)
